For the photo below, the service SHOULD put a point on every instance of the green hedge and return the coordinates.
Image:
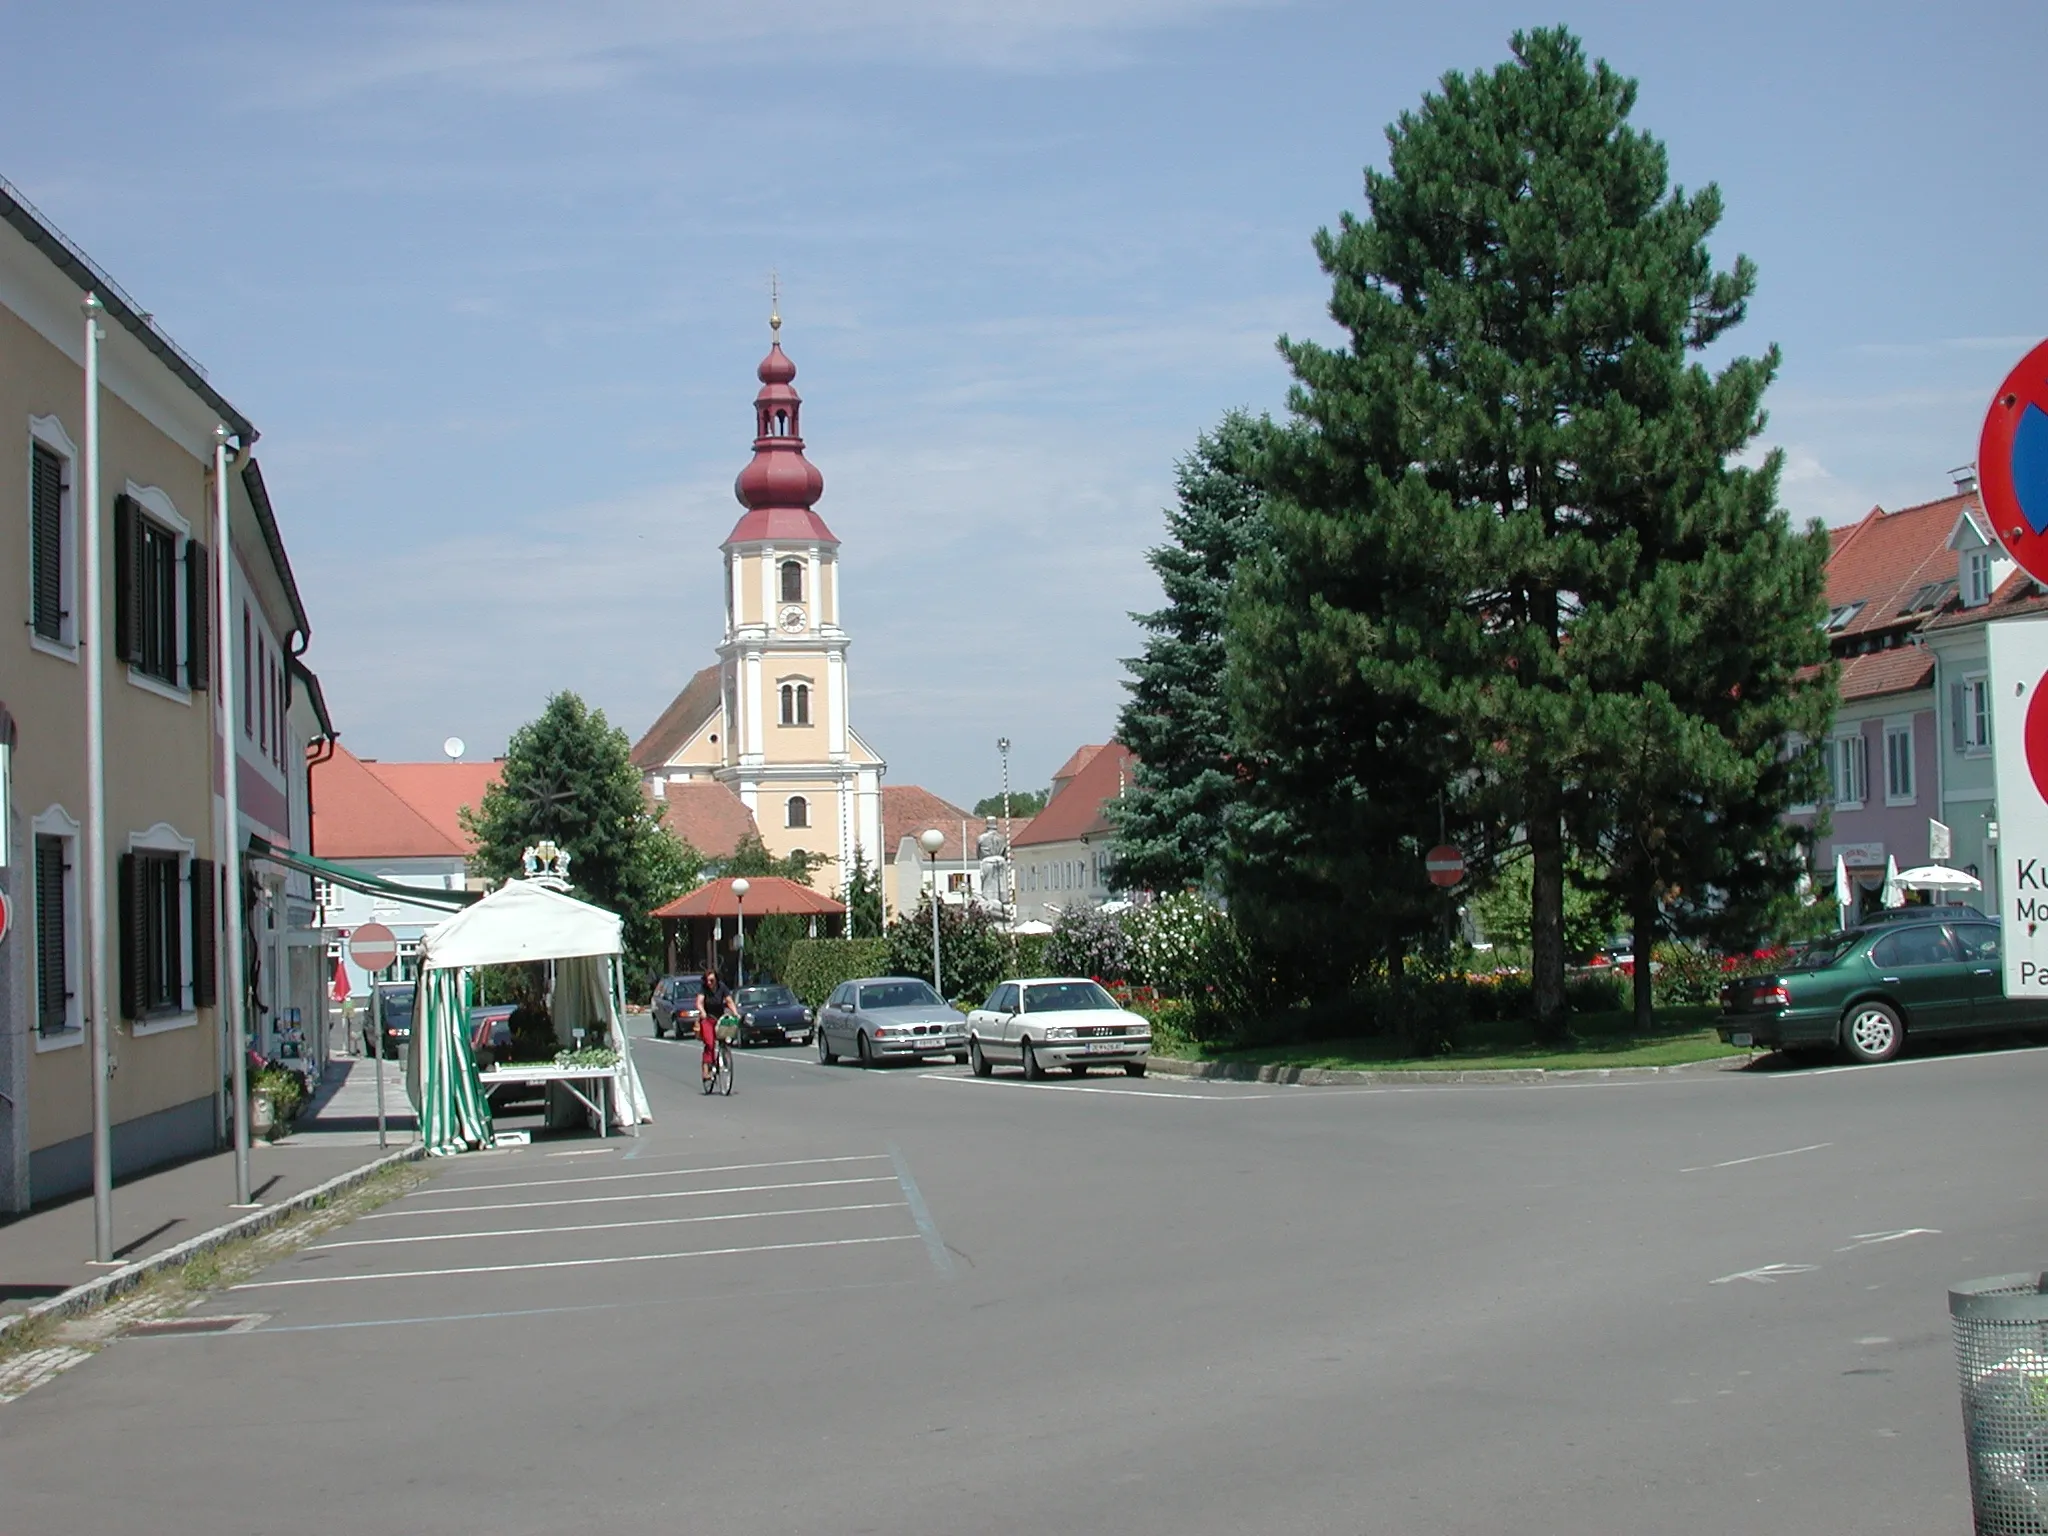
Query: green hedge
(814, 967)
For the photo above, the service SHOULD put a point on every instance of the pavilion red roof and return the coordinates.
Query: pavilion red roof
(765, 894)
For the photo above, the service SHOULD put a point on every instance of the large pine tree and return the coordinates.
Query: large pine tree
(1170, 823)
(1512, 515)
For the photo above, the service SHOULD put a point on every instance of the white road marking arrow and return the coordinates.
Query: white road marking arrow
(1871, 1239)
(1768, 1274)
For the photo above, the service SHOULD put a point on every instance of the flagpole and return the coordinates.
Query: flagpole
(233, 996)
(96, 641)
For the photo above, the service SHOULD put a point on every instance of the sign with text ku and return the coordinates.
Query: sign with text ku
(2019, 745)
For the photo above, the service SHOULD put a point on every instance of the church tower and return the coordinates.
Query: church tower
(789, 751)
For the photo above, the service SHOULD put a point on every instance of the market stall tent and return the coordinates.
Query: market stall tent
(522, 922)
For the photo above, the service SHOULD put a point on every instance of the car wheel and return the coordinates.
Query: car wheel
(1134, 1069)
(1032, 1070)
(826, 1054)
(867, 1057)
(981, 1065)
(1872, 1032)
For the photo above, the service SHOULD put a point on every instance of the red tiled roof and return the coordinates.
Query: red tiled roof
(708, 816)
(2018, 594)
(371, 810)
(700, 699)
(1902, 669)
(908, 810)
(1073, 765)
(765, 894)
(1076, 809)
(1886, 558)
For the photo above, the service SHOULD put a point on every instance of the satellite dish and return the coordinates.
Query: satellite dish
(454, 748)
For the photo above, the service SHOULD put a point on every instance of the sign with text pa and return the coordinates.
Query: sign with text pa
(2019, 746)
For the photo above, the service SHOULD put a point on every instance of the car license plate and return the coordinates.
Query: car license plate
(1104, 1047)
(1741, 1037)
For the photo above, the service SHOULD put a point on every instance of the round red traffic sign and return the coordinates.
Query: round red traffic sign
(2012, 463)
(373, 946)
(1445, 865)
(6, 915)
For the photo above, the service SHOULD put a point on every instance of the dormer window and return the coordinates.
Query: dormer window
(1976, 578)
(1840, 617)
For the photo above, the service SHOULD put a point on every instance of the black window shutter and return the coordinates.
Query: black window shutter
(53, 980)
(1956, 702)
(198, 618)
(134, 938)
(46, 529)
(205, 972)
(128, 597)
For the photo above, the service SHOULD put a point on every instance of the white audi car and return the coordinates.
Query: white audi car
(1056, 1021)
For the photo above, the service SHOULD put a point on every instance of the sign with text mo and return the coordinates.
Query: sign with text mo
(2019, 755)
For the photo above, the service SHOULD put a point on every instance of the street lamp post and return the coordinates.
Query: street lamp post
(932, 840)
(739, 897)
(1009, 863)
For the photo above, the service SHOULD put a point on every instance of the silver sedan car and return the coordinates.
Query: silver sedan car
(889, 1018)
(1056, 1021)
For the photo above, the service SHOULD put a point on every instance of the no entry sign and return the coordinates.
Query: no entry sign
(2012, 463)
(1444, 864)
(6, 915)
(373, 946)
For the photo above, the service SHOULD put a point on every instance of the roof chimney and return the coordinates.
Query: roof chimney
(1965, 477)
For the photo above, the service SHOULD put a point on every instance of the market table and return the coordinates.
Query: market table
(603, 1081)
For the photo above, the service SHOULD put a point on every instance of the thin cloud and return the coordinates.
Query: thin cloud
(523, 48)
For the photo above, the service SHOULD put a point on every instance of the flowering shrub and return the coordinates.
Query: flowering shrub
(1086, 941)
(1174, 941)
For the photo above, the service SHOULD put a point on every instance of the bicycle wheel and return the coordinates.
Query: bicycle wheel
(725, 1069)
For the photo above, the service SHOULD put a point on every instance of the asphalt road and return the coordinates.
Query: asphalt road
(911, 1302)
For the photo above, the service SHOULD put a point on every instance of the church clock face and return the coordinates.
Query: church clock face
(792, 620)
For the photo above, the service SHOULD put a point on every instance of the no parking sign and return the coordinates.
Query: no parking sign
(2018, 650)
(2012, 463)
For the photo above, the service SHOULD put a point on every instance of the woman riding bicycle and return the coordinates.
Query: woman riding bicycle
(713, 1004)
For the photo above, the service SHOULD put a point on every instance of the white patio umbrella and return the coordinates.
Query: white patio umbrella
(1938, 877)
(1842, 892)
(1892, 895)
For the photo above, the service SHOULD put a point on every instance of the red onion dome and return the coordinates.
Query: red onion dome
(779, 476)
(776, 368)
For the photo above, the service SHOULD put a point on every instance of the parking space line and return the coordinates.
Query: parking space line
(658, 1194)
(1761, 1157)
(1132, 1093)
(623, 1258)
(654, 1173)
(604, 1226)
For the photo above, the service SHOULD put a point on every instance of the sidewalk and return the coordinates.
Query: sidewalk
(49, 1250)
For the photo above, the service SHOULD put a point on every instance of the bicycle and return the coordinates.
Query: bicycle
(720, 1080)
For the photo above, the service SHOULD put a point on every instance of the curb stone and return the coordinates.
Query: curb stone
(104, 1288)
(1255, 1072)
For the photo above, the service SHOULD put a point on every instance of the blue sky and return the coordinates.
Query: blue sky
(491, 277)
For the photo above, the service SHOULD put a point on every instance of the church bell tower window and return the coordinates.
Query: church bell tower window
(799, 811)
(796, 703)
(792, 581)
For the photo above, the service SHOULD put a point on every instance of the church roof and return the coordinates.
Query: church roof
(708, 816)
(700, 699)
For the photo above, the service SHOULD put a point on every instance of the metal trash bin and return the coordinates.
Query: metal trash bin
(2001, 1333)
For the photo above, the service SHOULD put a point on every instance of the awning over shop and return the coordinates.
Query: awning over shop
(355, 880)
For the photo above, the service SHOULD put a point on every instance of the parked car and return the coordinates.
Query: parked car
(1862, 991)
(391, 1015)
(676, 995)
(889, 1018)
(490, 1033)
(1921, 912)
(773, 1015)
(1056, 1021)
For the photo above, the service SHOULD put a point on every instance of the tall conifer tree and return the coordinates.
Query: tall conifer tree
(1170, 823)
(1510, 511)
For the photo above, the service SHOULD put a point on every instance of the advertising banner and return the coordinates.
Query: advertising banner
(2019, 746)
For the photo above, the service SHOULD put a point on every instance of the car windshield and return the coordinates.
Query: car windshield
(899, 994)
(1822, 953)
(1066, 997)
(766, 997)
(398, 1007)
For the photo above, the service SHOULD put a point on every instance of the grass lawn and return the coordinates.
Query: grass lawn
(1679, 1035)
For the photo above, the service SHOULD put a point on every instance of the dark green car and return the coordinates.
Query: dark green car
(1863, 991)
